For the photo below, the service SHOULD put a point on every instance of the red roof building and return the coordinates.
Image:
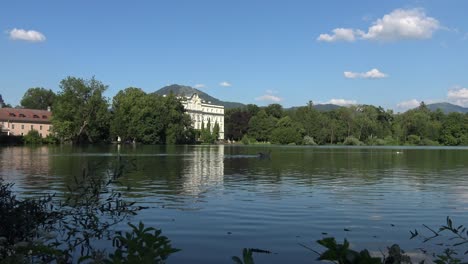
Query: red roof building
(18, 121)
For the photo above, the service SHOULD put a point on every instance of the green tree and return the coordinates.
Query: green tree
(275, 110)
(125, 105)
(454, 130)
(38, 98)
(33, 137)
(236, 123)
(287, 131)
(81, 112)
(206, 134)
(261, 126)
(177, 124)
(216, 131)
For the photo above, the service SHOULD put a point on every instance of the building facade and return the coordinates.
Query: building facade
(202, 112)
(18, 122)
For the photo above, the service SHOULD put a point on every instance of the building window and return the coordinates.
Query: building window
(12, 126)
(32, 127)
(22, 126)
(40, 127)
(40, 134)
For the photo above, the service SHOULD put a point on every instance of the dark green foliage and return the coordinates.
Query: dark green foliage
(207, 134)
(53, 230)
(287, 131)
(216, 131)
(21, 222)
(33, 138)
(261, 125)
(237, 122)
(342, 254)
(247, 257)
(274, 110)
(352, 141)
(81, 112)
(38, 98)
(353, 125)
(141, 245)
(149, 118)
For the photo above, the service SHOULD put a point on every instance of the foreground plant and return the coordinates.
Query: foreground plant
(61, 229)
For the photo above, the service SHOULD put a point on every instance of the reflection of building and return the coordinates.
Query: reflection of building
(203, 112)
(205, 169)
(24, 165)
(17, 121)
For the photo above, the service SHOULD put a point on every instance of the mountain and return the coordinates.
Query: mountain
(326, 107)
(447, 108)
(188, 91)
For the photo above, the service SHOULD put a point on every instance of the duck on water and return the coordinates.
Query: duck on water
(264, 155)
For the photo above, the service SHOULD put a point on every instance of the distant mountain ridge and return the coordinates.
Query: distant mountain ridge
(183, 90)
(447, 108)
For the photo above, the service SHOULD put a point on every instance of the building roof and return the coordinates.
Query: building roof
(25, 115)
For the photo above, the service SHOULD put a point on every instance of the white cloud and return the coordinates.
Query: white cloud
(225, 84)
(198, 86)
(340, 34)
(400, 24)
(268, 96)
(342, 102)
(403, 24)
(405, 105)
(372, 74)
(26, 35)
(458, 96)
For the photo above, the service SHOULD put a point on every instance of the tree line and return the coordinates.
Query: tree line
(83, 115)
(353, 125)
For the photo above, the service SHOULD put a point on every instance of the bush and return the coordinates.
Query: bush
(307, 140)
(428, 142)
(50, 230)
(352, 141)
(246, 140)
(390, 141)
(50, 139)
(286, 135)
(33, 137)
(413, 140)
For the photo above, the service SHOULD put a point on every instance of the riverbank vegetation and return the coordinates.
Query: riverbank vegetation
(80, 225)
(81, 114)
(353, 125)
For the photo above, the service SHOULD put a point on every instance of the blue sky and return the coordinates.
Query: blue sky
(388, 53)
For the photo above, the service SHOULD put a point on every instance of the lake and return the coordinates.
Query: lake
(212, 201)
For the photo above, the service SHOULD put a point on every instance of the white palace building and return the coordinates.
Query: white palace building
(202, 111)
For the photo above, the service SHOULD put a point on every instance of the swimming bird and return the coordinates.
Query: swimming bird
(264, 155)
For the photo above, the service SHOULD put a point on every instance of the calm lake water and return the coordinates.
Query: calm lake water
(212, 201)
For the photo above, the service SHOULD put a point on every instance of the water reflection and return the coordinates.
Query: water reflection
(199, 193)
(29, 165)
(204, 169)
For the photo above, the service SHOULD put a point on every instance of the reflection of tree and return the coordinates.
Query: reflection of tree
(205, 169)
